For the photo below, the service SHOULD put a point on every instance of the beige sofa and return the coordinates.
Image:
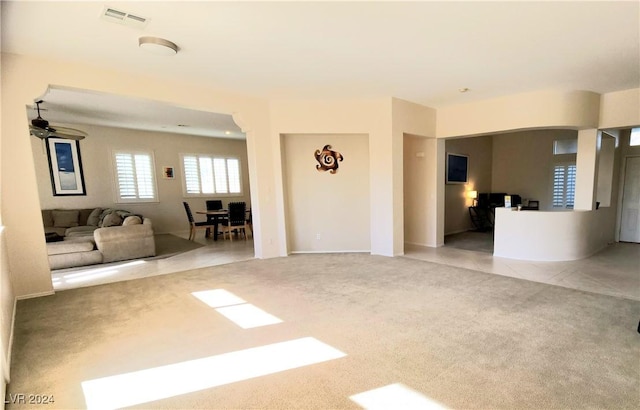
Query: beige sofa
(96, 235)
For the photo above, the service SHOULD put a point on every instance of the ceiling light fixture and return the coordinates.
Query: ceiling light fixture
(158, 46)
(463, 90)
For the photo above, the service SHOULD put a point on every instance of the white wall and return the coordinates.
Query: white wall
(370, 117)
(168, 213)
(620, 109)
(327, 212)
(422, 216)
(7, 315)
(534, 110)
(550, 236)
(420, 188)
(479, 150)
(523, 163)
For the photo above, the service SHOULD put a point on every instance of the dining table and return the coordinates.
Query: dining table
(217, 215)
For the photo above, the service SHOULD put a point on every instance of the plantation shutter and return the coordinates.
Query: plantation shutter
(564, 185)
(191, 174)
(126, 176)
(135, 179)
(205, 175)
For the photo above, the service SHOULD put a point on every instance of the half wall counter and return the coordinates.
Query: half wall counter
(549, 235)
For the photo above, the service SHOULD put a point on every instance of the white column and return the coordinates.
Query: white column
(586, 169)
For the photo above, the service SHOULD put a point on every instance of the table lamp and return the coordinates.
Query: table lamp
(473, 195)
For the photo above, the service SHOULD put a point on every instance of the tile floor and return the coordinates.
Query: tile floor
(615, 271)
(212, 253)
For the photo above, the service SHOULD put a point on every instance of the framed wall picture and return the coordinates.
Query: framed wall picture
(65, 167)
(457, 169)
(167, 173)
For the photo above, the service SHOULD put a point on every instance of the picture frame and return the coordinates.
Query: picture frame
(65, 167)
(457, 168)
(168, 173)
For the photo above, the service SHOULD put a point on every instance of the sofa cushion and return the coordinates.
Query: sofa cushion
(47, 218)
(112, 219)
(65, 218)
(76, 231)
(132, 220)
(73, 246)
(83, 215)
(94, 217)
(70, 260)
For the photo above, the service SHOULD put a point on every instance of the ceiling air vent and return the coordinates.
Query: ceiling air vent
(124, 18)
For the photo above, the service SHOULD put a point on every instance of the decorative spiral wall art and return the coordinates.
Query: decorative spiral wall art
(328, 159)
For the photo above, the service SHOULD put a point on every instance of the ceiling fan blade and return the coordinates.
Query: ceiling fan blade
(68, 133)
(59, 132)
(38, 132)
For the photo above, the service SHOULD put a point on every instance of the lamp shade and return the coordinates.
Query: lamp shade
(472, 194)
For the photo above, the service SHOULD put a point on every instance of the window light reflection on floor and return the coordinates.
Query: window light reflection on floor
(248, 316)
(96, 273)
(395, 396)
(218, 298)
(236, 309)
(158, 383)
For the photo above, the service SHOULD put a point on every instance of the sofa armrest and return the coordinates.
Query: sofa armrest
(117, 243)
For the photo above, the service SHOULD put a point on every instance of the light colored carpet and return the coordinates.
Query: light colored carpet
(465, 339)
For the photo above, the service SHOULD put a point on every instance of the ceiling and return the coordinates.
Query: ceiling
(423, 52)
(73, 106)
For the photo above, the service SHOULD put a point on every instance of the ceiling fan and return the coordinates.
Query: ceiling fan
(40, 128)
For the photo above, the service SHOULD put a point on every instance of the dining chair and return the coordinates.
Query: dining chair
(193, 224)
(250, 220)
(215, 205)
(237, 220)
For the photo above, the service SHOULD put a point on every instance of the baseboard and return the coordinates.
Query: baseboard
(425, 245)
(36, 295)
(10, 347)
(415, 243)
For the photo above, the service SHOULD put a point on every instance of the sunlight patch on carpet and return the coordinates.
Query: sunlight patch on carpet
(236, 309)
(248, 316)
(162, 382)
(218, 298)
(395, 396)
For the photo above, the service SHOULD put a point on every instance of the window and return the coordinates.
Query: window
(566, 146)
(564, 185)
(205, 175)
(635, 137)
(135, 180)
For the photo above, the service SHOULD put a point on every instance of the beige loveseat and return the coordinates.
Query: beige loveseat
(96, 235)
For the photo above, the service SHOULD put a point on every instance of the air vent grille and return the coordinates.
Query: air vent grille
(122, 17)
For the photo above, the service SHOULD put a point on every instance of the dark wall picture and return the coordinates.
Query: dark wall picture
(457, 168)
(65, 167)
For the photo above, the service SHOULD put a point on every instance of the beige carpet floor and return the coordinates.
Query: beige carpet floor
(461, 338)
